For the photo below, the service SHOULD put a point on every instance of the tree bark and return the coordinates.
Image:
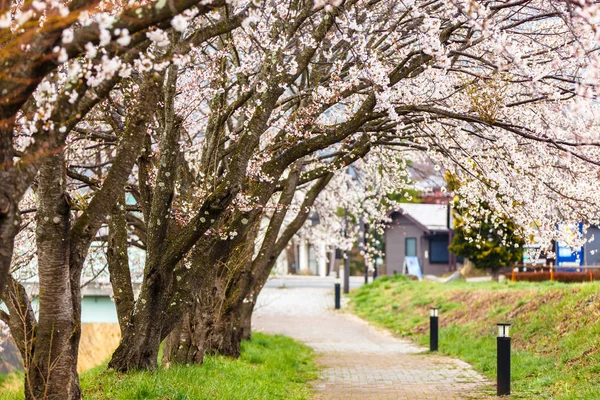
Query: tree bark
(207, 328)
(9, 227)
(9, 206)
(20, 319)
(184, 344)
(246, 318)
(118, 265)
(188, 342)
(212, 325)
(51, 374)
(141, 339)
(226, 336)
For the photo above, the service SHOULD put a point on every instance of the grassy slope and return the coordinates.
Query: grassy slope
(556, 330)
(271, 367)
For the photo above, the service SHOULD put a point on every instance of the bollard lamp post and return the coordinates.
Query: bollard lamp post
(433, 329)
(337, 293)
(503, 372)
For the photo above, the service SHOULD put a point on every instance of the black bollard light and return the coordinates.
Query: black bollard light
(503, 372)
(337, 293)
(433, 329)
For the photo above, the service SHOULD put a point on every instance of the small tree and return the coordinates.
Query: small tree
(490, 241)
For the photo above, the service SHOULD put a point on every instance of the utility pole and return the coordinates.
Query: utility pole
(332, 268)
(450, 224)
(347, 256)
(361, 245)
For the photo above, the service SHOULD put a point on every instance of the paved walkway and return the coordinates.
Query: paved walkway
(360, 361)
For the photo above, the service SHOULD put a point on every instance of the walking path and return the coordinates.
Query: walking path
(361, 362)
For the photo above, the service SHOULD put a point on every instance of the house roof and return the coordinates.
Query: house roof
(432, 217)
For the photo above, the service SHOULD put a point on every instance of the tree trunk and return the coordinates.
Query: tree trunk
(225, 337)
(143, 333)
(184, 344)
(135, 354)
(246, 319)
(9, 227)
(189, 341)
(20, 319)
(212, 324)
(118, 265)
(204, 330)
(140, 342)
(9, 205)
(51, 374)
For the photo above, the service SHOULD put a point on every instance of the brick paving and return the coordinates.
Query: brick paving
(359, 361)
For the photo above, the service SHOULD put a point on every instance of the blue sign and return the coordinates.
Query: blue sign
(565, 255)
(412, 266)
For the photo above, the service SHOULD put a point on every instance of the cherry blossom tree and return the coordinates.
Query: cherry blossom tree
(65, 229)
(37, 39)
(369, 99)
(224, 115)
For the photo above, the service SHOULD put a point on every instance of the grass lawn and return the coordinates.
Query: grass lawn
(271, 367)
(555, 328)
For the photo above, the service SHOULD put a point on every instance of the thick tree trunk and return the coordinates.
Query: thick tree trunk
(204, 330)
(141, 340)
(189, 341)
(51, 374)
(226, 336)
(135, 354)
(212, 324)
(184, 344)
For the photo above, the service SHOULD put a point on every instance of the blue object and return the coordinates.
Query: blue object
(565, 256)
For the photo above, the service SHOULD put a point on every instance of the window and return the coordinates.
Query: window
(438, 249)
(411, 247)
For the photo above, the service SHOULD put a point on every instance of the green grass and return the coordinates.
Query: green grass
(555, 332)
(271, 367)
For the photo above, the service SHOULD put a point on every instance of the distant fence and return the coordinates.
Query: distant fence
(586, 273)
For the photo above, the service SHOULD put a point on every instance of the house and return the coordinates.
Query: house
(419, 230)
(303, 257)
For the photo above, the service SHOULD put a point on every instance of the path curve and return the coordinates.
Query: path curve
(359, 361)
